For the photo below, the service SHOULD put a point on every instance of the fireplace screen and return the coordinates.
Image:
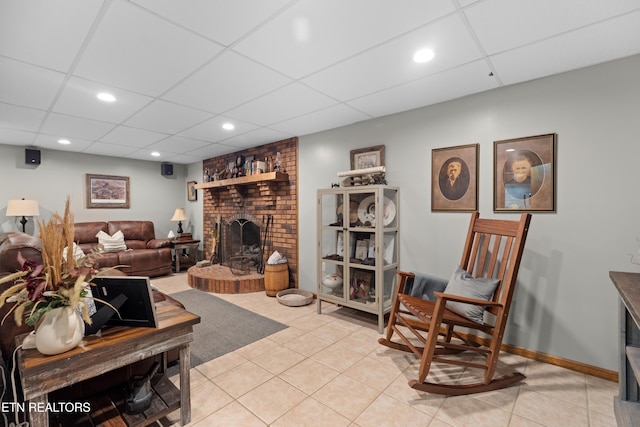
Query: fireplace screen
(241, 246)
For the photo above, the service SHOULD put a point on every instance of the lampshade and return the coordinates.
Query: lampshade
(179, 215)
(23, 208)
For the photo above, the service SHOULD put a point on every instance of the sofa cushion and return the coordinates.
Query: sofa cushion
(113, 243)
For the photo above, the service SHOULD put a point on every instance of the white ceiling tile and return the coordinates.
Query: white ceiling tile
(212, 130)
(182, 159)
(28, 85)
(313, 34)
(214, 150)
(166, 117)
(46, 33)
(113, 150)
(74, 127)
(292, 100)
(220, 20)
(79, 98)
(570, 51)
(133, 49)
(254, 138)
(133, 137)
(465, 80)
(329, 118)
(177, 144)
(20, 118)
(393, 61)
(51, 142)
(226, 82)
(527, 21)
(16, 137)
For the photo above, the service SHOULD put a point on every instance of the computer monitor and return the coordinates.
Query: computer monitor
(138, 309)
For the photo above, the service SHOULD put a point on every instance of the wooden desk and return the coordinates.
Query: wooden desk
(627, 403)
(118, 346)
(189, 245)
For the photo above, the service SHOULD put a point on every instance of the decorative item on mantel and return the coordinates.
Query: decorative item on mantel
(52, 297)
(366, 176)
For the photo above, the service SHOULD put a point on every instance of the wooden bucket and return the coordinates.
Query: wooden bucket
(276, 278)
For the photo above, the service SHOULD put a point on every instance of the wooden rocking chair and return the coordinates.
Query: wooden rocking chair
(493, 250)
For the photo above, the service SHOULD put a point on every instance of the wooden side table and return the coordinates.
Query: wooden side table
(118, 346)
(188, 246)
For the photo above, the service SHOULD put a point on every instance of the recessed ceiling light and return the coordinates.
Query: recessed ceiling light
(228, 126)
(106, 97)
(423, 55)
(155, 154)
(64, 141)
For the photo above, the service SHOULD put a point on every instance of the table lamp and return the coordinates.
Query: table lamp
(23, 208)
(179, 216)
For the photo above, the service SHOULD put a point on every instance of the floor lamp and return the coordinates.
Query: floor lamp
(23, 208)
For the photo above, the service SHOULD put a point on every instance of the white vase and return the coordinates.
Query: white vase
(61, 330)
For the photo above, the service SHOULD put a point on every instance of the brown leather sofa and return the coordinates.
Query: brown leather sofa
(145, 255)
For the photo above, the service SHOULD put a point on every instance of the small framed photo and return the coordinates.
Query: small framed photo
(361, 283)
(192, 193)
(524, 174)
(107, 191)
(454, 178)
(369, 157)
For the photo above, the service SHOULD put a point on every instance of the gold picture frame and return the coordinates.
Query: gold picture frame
(454, 178)
(524, 174)
(107, 191)
(369, 157)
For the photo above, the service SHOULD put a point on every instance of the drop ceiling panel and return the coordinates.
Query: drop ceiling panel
(20, 118)
(226, 82)
(393, 61)
(465, 80)
(28, 85)
(570, 51)
(221, 20)
(132, 137)
(251, 139)
(209, 151)
(114, 150)
(313, 34)
(291, 101)
(139, 51)
(46, 33)
(51, 142)
(527, 21)
(70, 127)
(166, 117)
(79, 98)
(177, 144)
(328, 118)
(212, 131)
(16, 137)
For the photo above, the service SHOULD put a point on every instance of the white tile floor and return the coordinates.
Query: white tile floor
(329, 370)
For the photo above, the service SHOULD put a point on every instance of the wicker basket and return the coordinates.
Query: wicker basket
(276, 278)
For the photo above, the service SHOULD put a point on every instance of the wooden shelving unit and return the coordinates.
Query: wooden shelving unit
(245, 180)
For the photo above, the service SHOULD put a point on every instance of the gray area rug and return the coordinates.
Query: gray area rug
(224, 327)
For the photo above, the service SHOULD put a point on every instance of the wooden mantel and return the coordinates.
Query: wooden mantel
(245, 180)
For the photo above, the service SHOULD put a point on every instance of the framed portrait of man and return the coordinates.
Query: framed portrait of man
(454, 178)
(524, 177)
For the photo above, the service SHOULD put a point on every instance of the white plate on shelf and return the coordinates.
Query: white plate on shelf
(367, 210)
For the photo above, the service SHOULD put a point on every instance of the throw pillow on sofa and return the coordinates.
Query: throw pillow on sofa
(77, 252)
(113, 243)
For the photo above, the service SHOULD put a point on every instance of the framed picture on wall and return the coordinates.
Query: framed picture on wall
(369, 157)
(107, 191)
(524, 174)
(192, 193)
(454, 178)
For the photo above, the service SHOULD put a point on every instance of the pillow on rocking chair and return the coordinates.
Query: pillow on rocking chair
(465, 285)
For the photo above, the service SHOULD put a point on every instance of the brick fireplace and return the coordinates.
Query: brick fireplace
(234, 205)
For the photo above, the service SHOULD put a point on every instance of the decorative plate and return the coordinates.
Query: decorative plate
(367, 210)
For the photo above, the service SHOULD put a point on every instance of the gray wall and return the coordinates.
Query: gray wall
(565, 303)
(153, 197)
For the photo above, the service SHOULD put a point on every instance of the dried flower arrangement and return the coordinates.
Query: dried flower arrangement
(59, 281)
